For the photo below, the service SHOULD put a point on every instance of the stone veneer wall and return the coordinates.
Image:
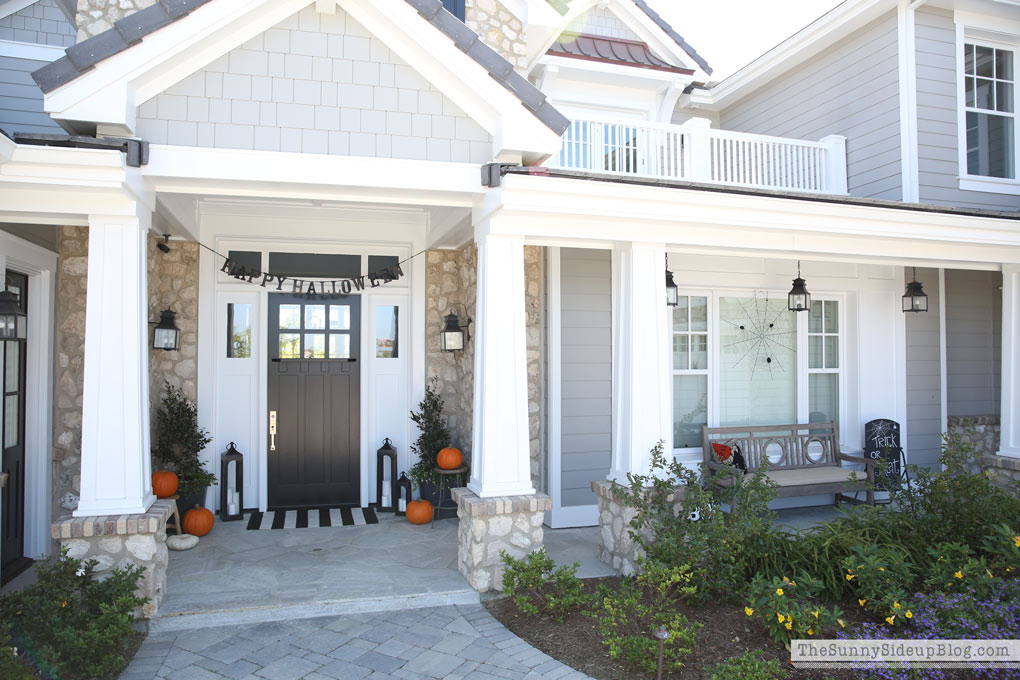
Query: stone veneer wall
(96, 16)
(617, 548)
(173, 283)
(499, 29)
(451, 285)
(983, 432)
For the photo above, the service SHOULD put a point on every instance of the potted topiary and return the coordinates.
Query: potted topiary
(178, 441)
(433, 437)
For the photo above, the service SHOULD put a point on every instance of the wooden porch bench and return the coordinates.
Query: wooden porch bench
(803, 460)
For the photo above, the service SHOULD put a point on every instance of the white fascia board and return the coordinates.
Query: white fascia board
(58, 165)
(572, 208)
(205, 171)
(7, 149)
(434, 55)
(14, 6)
(24, 50)
(836, 24)
(110, 92)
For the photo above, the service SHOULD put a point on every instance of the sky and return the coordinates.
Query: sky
(731, 33)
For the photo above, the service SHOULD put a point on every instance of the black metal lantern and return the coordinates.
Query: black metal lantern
(452, 337)
(166, 335)
(12, 318)
(672, 295)
(915, 299)
(231, 498)
(403, 494)
(799, 297)
(386, 485)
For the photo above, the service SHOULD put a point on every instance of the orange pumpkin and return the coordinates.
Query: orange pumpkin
(449, 459)
(198, 521)
(164, 484)
(419, 512)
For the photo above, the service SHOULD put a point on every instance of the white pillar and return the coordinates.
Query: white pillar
(697, 131)
(500, 450)
(115, 468)
(1009, 409)
(641, 363)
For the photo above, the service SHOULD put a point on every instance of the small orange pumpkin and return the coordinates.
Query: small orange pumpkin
(419, 512)
(198, 521)
(449, 458)
(164, 484)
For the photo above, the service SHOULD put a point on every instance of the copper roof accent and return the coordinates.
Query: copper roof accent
(611, 50)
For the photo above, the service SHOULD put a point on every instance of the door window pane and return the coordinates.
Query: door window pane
(290, 316)
(339, 346)
(758, 362)
(699, 351)
(315, 317)
(832, 351)
(815, 359)
(238, 331)
(831, 316)
(315, 346)
(680, 314)
(290, 346)
(339, 317)
(12, 370)
(690, 409)
(386, 327)
(823, 397)
(12, 423)
(699, 313)
(680, 361)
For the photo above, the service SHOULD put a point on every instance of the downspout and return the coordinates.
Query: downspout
(907, 50)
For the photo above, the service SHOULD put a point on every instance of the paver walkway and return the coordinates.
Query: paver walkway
(457, 642)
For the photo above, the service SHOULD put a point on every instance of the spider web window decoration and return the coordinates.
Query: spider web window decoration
(764, 337)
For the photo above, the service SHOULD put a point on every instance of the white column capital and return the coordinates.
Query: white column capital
(501, 446)
(115, 466)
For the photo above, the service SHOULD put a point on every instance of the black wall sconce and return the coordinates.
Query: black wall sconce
(453, 337)
(166, 335)
(672, 294)
(12, 318)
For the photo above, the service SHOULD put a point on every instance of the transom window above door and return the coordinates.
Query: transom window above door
(314, 330)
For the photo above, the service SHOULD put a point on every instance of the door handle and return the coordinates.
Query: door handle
(272, 430)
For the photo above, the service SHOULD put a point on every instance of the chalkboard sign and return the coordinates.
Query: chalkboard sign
(882, 445)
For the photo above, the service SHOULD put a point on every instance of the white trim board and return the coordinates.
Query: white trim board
(24, 50)
(14, 6)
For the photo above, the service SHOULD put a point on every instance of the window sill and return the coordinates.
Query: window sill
(991, 185)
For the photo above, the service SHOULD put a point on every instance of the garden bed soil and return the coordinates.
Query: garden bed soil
(725, 632)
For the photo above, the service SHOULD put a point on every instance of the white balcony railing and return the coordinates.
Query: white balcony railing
(696, 152)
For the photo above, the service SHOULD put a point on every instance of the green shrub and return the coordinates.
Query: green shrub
(535, 585)
(12, 667)
(880, 578)
(179, 440)
(1002, 545)
(747, 666)
(723, 550)
(629, 616)
(70, 623)
(433, 436)
(789, 608)
(953, 567)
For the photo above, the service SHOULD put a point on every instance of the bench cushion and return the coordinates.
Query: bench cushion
(823, 474)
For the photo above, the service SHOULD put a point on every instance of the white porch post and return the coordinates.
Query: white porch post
(115, 468)
(1009, 443)
(641, 363)
(500, 462)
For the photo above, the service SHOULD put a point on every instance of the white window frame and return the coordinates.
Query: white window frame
(1002, 35)
(693, 455)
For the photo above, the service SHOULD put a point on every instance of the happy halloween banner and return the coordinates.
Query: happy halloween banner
(344, 286)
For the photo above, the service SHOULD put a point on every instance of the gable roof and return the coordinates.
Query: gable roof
(134, 28)
(612, 50)
(561, 7)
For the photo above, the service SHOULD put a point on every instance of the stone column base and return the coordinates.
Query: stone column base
(618, 549)
(120, 541)
(489, 526)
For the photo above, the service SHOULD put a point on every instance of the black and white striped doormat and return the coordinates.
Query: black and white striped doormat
(310, 518)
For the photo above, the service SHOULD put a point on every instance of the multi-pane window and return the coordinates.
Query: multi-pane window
(310, 331)
(690, 370)
(989, 100)
(823, 361)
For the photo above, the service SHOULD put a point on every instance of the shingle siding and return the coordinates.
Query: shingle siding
(315, 84)
(21, 101)
(851, 89)
(937, 118)
(41, 23)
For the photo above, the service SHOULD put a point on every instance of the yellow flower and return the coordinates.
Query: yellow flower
(958, 574)
(861, 602)
(779, 591)
(748, 611)
(815, 612)
(890, 619)
(849, 577)
(881, 568)
(63, 604)
(896, 605)
(789, 625)
(909, 614)
(1016, 541)
(840, 622)
(793, 583)
(810, 631)
(780, 617)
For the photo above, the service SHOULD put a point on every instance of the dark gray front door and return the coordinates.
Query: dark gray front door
(314, 388)
(12, 389)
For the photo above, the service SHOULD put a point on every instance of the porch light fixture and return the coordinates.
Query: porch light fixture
(672, 296)
(915, 299)
(167, 334)
(12, 319)
(453, 336)
(799, 297)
